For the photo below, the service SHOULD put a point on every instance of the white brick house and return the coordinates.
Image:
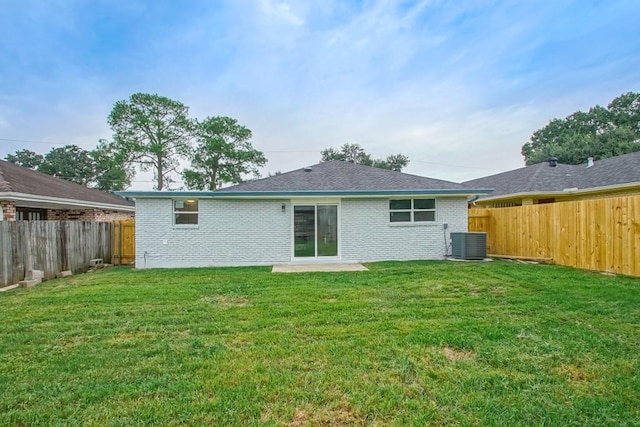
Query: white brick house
(333, 211)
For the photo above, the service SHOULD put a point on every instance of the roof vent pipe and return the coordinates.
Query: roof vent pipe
(553, 161)
(307, 169)
(589, 162)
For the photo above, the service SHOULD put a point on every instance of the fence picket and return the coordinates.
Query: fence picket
(597, 234)
(123, 242)
(51, 246)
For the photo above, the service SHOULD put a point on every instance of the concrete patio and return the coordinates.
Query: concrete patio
(322, 267)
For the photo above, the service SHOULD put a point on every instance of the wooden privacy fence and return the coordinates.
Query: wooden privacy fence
(598, 234)
(123, 242)
(51, 246)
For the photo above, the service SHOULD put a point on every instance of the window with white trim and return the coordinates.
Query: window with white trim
(412, 210)
(185, 212)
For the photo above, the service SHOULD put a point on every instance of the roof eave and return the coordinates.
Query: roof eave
(72, 203)
(279, 194)
(566, 192)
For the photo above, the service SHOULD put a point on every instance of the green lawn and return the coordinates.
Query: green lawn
(417, 343)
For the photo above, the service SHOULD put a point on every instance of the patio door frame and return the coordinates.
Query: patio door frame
(315, 203)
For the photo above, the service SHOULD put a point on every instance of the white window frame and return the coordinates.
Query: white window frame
(176, 212)
(412, 210)
(315, 202)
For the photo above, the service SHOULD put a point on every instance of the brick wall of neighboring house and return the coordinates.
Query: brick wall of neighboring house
(87, 215)
(8, 210)
(56, 215)
(105, 215)
(69, 215)
(258, 232)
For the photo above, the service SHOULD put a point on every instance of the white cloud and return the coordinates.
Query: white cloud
(458, 87)
(280, 11)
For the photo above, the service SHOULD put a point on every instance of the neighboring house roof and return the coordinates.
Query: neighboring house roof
(335, 178)
(542, 178)
(37, 189)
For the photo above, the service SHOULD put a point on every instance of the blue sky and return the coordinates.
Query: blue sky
(458, 86)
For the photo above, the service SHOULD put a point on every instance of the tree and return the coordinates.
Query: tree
(26, 158)
(110, 170)
(223, 154)
(626, 110)
(153, 132)
(599, 133)
(395, 162)
(101, 168)
(69, 162)
(354, 153)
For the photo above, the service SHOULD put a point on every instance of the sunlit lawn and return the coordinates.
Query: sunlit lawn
(414, 343)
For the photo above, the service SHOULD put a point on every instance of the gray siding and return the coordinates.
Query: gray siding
(229, 233)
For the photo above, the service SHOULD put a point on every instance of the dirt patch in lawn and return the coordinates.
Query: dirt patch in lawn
(455, 355)
(574, 373)
(343, 415)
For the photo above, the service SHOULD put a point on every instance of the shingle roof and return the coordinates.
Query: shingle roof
(344, 176)
(17, 179)
(541, 177)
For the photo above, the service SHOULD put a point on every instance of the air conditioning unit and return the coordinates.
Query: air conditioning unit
(469, 245)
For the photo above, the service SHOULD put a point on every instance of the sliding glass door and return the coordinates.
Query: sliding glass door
(315, 230)
(327, 226)
(304, 231)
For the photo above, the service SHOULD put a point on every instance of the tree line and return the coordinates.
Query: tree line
(354, 153)
(98, 168)
(155, 133)
(600, 133)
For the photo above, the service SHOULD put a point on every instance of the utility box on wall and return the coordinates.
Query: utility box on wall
(469, 245)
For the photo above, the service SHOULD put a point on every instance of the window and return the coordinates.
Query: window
(185, 212)
(412, 210)
(30, 214)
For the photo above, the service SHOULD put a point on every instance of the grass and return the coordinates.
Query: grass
(417, 343)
